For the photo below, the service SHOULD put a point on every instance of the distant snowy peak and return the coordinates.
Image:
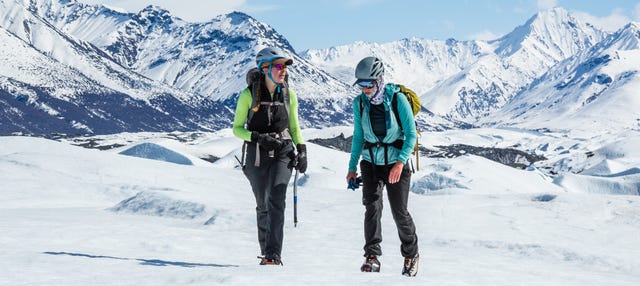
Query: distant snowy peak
(627, 38)
(155, 14)
(91, 23)
(154, 19)
(553, 34)
(518, 59)
(152, 54)
(53, 82)
(597, 86)
(23, 22)
(467, 80)
(418, 63)
(193, 57)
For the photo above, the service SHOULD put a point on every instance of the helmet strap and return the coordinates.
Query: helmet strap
(268, 74)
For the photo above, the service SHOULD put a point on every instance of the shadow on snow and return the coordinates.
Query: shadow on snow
(153, 262)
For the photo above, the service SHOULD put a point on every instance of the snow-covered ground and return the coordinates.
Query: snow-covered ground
(76, 216)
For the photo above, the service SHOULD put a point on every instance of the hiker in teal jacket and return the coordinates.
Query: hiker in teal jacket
(266, 118)
(385, 149)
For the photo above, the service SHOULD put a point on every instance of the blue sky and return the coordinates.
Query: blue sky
(326, 23)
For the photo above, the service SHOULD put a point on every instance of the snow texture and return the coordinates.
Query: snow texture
(76, 216)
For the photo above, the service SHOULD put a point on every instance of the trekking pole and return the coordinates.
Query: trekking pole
(416, 150)
(295, 200)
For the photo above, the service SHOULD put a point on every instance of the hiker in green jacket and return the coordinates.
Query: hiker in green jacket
(266, 118)
(385, 148)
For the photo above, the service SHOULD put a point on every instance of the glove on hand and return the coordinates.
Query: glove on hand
(302, 158)
(354, 183)
(266, 142)
(292, 159)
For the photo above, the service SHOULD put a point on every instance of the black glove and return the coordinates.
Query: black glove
(301, 158)
(293, 159)
(266, 142)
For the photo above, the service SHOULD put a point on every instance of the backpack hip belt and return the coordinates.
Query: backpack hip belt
(284, 135)
(370, 145)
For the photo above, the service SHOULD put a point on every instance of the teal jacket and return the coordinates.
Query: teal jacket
(362, 130)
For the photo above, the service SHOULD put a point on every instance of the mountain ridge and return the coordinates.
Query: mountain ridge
(192, 73)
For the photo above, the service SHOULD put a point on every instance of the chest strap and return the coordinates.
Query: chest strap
(269, 111)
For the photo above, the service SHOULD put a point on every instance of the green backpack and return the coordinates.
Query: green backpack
(413, 99)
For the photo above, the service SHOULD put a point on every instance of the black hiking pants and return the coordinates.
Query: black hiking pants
(269, 184)
(373, 183)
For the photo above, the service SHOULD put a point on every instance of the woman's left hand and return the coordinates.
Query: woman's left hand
(396, 172)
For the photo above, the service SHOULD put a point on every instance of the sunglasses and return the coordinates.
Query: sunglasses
(280, 67)
(366, 85)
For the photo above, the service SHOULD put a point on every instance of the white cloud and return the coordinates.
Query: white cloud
(547, 4)
(485, 35)
(189, 10)
(610, 23)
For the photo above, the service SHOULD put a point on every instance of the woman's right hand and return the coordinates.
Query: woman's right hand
(350, 176)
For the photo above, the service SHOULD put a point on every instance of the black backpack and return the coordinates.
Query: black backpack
(255, 80)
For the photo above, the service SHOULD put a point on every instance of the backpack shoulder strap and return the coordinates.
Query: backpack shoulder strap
(394, 107)
(285, 94)
(253, 78)
(255, 100)
(286, 98)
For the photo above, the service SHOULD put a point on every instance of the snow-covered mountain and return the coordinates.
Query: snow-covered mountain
(595, 91)
(51, 82)
(472, 79)
(209, 59)
(72, 67)
(420, 64)
(182, 76)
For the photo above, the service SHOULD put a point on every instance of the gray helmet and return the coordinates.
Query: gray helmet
(267, 55)
(369, 69)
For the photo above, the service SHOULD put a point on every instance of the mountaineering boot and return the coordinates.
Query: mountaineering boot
(271, 260)
(371, 264)
(411, 266)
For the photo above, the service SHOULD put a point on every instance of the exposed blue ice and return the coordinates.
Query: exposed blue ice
(156, 152)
